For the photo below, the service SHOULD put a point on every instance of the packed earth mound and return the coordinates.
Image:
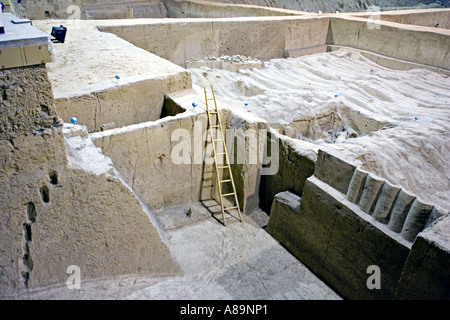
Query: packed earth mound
(343, 101)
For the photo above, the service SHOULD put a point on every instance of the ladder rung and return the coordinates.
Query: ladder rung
(225, 165)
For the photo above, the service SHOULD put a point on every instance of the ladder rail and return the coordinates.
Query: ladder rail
(227, 160)
(218, 125)
(215, 162)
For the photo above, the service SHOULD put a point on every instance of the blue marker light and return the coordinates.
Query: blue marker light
(74, 120)
(416, 118)
(194, 104)
(117, 77)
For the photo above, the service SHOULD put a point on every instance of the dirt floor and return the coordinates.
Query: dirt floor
(239, 261)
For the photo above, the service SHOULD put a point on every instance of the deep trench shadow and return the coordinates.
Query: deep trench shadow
(170, 108)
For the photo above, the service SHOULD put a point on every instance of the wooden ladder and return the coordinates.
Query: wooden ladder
(219, 168)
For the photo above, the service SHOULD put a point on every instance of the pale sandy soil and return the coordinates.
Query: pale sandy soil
(404, 116)
(89, 60)
(339, 5)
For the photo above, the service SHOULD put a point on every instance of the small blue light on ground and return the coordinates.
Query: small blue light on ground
(416, 118)
(74, 120)
(246, 104)
(336, 95)
(194, 104)
(117, 77)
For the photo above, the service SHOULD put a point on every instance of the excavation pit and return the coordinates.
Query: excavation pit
(360, 127)
(334, 126)
(337, 101)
